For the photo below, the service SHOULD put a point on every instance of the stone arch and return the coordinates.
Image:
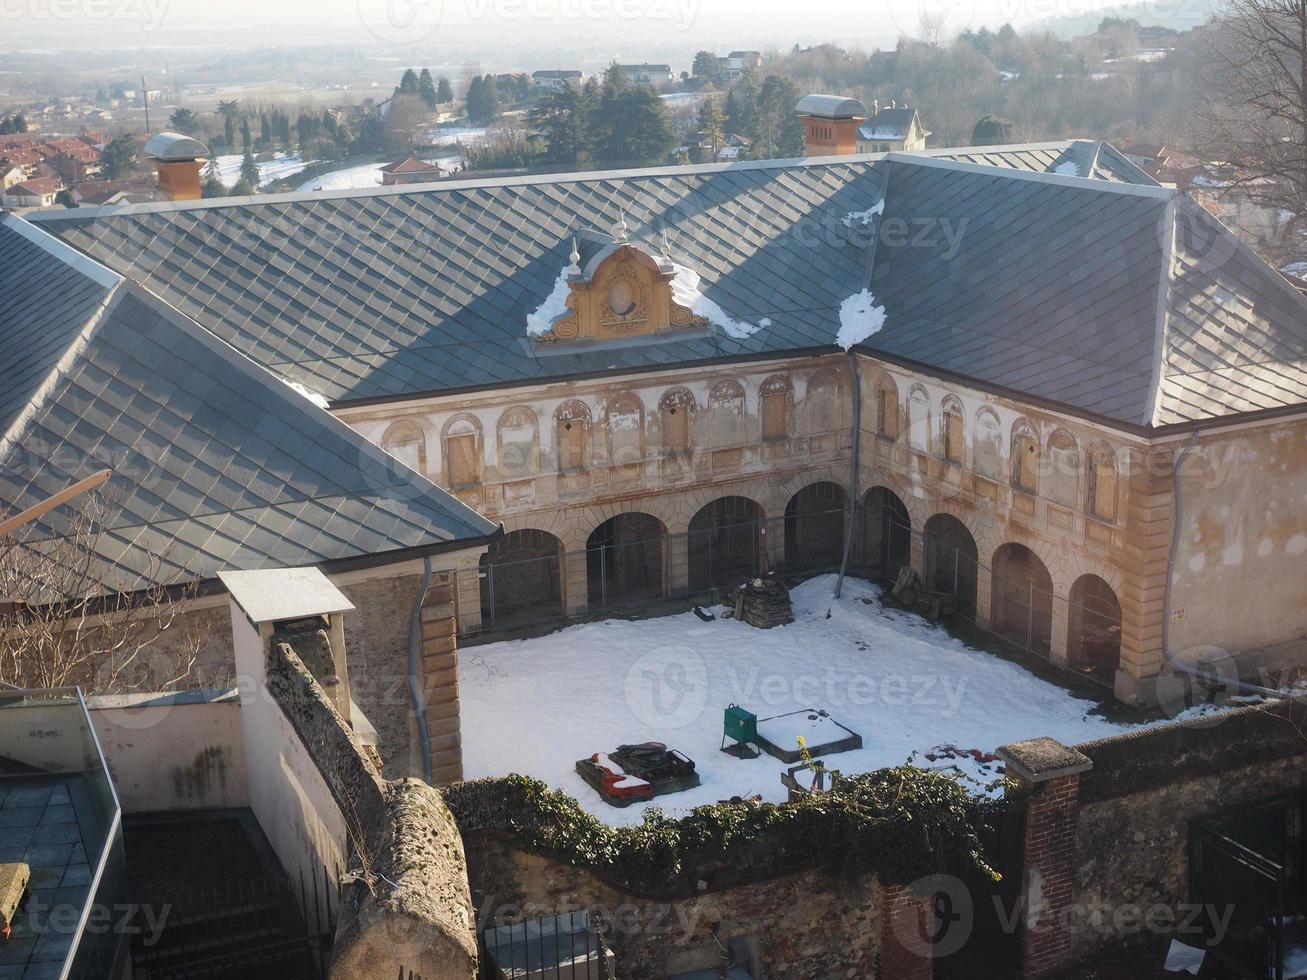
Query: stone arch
(572, 423)
(886, 532)
(814, 528)
(676, 410)
(463, 450)
(823, 402)
(522, 578)
(887, 407)
(952, 562)
(723, 547)
(1063, 467)
(517, 437)
(919, 418)
(626, 560)
(1024, 456)
(726, 414)
(624, 430)
(987, 445)
(406, 441)
(1094, 628)
(776, 407)
(1021, 598)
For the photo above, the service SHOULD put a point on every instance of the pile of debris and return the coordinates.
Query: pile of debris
(762, 602)
(910, 590)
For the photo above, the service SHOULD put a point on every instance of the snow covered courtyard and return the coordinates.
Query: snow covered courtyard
(536, 706)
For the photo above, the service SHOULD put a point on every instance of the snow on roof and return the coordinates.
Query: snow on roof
(830, 107)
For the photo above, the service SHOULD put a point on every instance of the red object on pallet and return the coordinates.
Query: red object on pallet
(619, 785)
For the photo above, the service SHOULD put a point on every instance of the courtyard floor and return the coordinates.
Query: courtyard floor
(906, 686)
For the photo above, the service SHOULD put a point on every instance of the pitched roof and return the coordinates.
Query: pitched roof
(888, 124)
(1067, 289)
(410, 165)
(37, 187)
(217, 463)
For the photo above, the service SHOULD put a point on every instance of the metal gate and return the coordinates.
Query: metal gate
(259, 929)
(1246, 880)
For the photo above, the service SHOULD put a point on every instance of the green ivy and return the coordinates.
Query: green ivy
(899, 824)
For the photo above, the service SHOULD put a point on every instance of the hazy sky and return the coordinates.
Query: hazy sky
(626, 25)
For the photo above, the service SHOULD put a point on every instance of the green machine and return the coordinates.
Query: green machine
(740, 726)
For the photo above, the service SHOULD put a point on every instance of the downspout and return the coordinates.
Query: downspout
(853, 471)
(414, 682)
(1177, 514)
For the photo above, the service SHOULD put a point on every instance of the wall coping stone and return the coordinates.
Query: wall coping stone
(1038, 760)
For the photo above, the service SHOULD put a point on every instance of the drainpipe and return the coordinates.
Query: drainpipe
(1176, 519)
(853, 471)
(414, 682)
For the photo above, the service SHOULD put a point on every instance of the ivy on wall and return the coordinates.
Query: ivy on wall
(898, 824)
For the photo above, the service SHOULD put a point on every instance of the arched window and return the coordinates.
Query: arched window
(1025, 456)
(1102, 483)
(625, 426)
(887, 408)
(822, 402)
(919, 418)
(462, 451)
(676, 415)
(726, 414)
(518, 438)
(954, 431)
(777, 398)
(987, 449)
(1063, 468)
(572, 427)
(405, 441)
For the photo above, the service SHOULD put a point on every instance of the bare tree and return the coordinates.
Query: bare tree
(65, 620)
(1255, 116)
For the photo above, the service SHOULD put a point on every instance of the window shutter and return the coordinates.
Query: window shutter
(462, 460)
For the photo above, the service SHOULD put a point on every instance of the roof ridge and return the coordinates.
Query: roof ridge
(1156, 192)
(1162, 336)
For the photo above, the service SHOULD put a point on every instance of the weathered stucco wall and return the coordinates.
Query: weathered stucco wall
(1238, 581)
(798, 926)
(199, 733)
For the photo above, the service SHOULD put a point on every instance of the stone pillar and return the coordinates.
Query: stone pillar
(678, 563)
(1061, 623)
(906, 927)
(1048, 774)
(576, 586)
(440, 679)
(1147, 544)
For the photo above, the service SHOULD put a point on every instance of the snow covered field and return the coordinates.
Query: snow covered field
(364, 176)
(536, 706)
(284, 165)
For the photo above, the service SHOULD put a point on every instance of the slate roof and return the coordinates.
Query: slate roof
(1072, 290)
(888, 124)
(217, 464)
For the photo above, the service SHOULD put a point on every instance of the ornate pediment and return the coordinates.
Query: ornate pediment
(620, 291)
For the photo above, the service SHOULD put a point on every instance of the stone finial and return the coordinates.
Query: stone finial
(574, 258)
(619, 229)
(1038, 760)
(667, 247)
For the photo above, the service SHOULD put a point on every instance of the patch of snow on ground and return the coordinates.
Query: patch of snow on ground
(536, 706)
(554, 306)
(860, 317)
(365, 176)
(1296, 269)
(863, 218)
(685, 290)
(1067, 169)
(228, 167)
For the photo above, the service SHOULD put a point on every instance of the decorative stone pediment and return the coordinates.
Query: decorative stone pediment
(621, 291)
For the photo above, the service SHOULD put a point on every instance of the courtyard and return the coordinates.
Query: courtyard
(908, 688)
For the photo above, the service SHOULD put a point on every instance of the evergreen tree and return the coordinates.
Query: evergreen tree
(265, 130)
(712, 126)
(482, 101)
(742, 104)
(242, 188)
(444, 91)
(408, 83)
(249, 171)
(648, 136)
(559, 118)
(992, 130)
(779, 130)
(119, 156)
(184, 121)
(707, 70)
(427, 88)
(245, 133)
(229, 109)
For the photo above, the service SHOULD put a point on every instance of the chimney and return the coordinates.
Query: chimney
(830, 124)
(178, 161)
